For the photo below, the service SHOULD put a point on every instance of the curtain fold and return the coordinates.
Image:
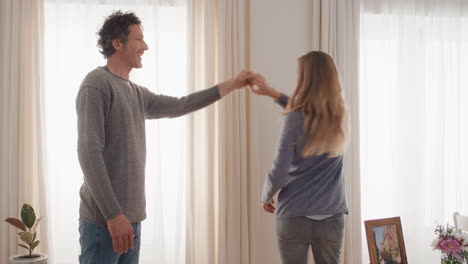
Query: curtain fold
(218, 201)
(22, 154)
(335, 30)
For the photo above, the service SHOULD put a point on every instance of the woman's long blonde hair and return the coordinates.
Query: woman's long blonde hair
(319, 97)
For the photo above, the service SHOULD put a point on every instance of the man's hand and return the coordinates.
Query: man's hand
(244, 78)
(121, 232)
(270, 207)
(263, 88)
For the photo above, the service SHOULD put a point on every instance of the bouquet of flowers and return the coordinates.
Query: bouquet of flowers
(452, 243)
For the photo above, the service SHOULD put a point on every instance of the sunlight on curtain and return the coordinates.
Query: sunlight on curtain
(70, 53)
(414, 120)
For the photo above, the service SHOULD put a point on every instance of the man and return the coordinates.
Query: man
(111, 141)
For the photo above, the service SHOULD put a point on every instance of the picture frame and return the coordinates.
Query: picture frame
(385, 241)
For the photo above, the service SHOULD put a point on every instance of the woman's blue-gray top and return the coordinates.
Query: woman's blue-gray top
(311, 185)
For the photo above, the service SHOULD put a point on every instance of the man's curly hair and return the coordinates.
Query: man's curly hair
(115, 26)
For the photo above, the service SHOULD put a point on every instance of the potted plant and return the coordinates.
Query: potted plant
(27, 225)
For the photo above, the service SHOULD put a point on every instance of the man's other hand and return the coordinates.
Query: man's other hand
(121, 232)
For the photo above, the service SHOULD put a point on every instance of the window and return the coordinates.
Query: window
(414, 144)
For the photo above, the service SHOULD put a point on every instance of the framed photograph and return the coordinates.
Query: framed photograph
(385, 241)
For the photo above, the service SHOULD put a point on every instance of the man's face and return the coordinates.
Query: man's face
(135, 47)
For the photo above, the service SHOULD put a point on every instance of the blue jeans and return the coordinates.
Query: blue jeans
(96, 245)
(297, 234)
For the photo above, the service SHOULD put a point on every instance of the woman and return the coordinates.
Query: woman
(308, 168)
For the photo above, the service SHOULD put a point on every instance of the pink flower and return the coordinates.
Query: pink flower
(452, 243)
(450, 247)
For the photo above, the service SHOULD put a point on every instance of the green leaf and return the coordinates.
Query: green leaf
(23, 246)
(34, 236)
(27, 215)
(35, 224)
(27, 237)
(34, 245)
(16, 223)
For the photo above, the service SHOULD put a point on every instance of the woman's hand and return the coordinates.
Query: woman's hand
(263, 88)
(270, 207)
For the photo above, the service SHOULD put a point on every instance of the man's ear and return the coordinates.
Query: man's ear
(118, 45)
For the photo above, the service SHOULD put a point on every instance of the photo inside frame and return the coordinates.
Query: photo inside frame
(387, 244)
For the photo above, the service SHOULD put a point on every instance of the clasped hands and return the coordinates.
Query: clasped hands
(256, 82)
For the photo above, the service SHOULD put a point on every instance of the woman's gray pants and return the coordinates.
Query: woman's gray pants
(297, 234)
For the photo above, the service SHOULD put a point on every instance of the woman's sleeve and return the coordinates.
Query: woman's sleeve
(282, 100)
(277, 176)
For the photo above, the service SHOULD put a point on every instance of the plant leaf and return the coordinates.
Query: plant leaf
(16, 223)
(36, 224)
(27, 237)
(23, 246)
(34, 245)
(27, 215)
(34, 236)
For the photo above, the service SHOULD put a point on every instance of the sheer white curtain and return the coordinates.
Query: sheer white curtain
(414, 144)
(21, 131)
(70, 53)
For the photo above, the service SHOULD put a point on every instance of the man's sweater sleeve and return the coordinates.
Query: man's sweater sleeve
(92, 106)
(160, 106)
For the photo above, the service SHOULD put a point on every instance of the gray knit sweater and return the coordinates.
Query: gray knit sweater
(111, 141)
(307, 186)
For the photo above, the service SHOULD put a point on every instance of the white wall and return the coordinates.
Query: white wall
(280, 32)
